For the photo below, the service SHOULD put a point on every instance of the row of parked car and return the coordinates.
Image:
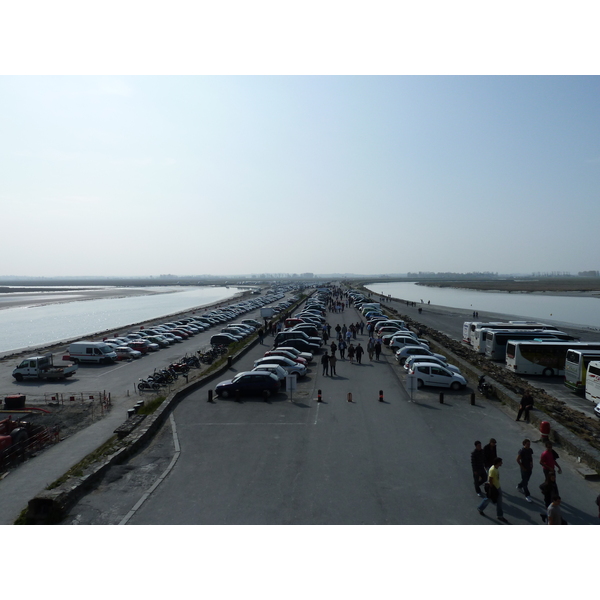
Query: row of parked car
(427, 367)
(293, 350)
(151, 339)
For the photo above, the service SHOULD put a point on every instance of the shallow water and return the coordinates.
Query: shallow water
(577, 310)
(37, 325)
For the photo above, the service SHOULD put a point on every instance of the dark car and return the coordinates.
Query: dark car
(222, 339)
(301, 345)
(251, 383)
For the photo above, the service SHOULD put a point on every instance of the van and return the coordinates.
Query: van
(399, 341)
(96, 352)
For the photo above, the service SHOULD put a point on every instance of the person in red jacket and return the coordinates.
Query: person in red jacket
(548, 460)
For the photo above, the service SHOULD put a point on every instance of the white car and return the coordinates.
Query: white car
(277, 370)
(419, 358)
(427, 373)
(402, 354)
(289, 365)
(126, 353)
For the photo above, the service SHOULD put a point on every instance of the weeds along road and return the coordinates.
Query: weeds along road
(335, 462)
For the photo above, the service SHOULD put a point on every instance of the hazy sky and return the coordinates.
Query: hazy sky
(121, 175)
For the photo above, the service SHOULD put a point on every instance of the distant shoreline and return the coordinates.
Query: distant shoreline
(560, 287)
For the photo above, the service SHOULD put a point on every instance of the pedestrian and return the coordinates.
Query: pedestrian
(325, 336)
(261, 335)
(525, 460)
(353, 330)
(362, 326)
(370, 348)
(554, 516)
(348, 336)
(489, 454)
(479, 473)
(359, 352)
(598, 505)
(377, 348)
(351, 351)
(549, 489)
(494, 491)
(333, 348)
(325, 363)
(344, 330)
(548, 460)
(338, 329)
(525, 406)
(332, 362)
(342, 349)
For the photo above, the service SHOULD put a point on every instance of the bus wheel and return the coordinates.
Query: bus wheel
(548, 372)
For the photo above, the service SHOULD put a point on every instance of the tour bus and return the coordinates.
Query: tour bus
(592, 382)
(542, 358)
(469, 326)
(576, 366)
(496, 339)
(479, 333)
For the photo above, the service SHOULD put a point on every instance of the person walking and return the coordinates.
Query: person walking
(370, 348)
(489, 454)
(333, 348)
(548, 460)
(332, 363)
(344, 330)
(549, 489)
(377, 348)
(325, 363)
(554, 516)
(359, 352)
(261, 335)
(495, 491)
(525, 460)
(342, 349)
(362, 326)
(351, 351)
(348, 336)
(479, 472)
(525, 406)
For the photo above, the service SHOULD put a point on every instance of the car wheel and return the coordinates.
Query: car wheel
(266, 394)
(223, 394)
(19, 377)
(548, 372)
(420, 383)
(455, 386)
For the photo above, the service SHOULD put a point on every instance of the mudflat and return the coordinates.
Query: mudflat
(567, 285)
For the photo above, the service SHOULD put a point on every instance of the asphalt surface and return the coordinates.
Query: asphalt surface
(335, 462)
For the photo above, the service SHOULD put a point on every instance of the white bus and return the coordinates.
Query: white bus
(496, 339)
(576, 366)
(542, 358)
(592, 382)
(479, 333)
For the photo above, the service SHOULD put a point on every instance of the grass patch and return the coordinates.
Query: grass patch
(108, 448)
(150, 406)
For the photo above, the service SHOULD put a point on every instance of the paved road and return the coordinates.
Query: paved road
(301, 462)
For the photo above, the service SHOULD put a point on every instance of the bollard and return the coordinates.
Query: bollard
(210, 396)
(319, 396)
(229, 361)
(473, 399)
(380, 395)
(545, 430)
(441, 397)
(130, 412)
(237, 396)
(349, 397)
(266, 396)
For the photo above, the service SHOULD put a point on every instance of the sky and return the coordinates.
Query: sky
(263, 171)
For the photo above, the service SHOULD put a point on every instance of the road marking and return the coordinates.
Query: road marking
(147, 494)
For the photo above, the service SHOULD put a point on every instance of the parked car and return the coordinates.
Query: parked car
(411, 360)
(127, 353)
(277, 370)
(286, 354)
(403, 353)
(249, 383)
(435, 375)
(222, 339)
(291, 366)
(307, 356)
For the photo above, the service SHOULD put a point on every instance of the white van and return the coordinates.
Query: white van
(97, 352)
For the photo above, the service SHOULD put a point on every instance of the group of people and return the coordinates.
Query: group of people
(486, 464)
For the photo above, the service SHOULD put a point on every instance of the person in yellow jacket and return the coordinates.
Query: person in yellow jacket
(494, 491)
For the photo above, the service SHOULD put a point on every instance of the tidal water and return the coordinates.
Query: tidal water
(575, 310)
(38, 325)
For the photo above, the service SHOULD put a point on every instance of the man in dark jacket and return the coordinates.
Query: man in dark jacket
(489, 454)
(525, 406)
(478, 466)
